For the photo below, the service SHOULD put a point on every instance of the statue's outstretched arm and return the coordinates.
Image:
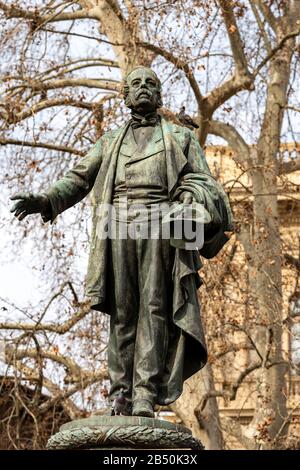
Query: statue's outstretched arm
(66, 192)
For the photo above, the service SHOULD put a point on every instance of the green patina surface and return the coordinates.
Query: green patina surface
(148, 287)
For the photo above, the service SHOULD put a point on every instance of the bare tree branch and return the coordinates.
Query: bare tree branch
(38, 85)
(234, 387)
(261, 26)
(8, 113)
(44, 104)
(180, 64)
(55, 328)
(279, 46)
(31, 375)
(252, 342)
(88, 61)
(76, 373)
(293, 108)
(233, 348)
(80, 35)
(234, 139)
(37, 144)
(241, 79)
(267, 13)
(13, 352)
(64, 395)
(12, 11)
(68, 67)
(237, 82)
(233, 32)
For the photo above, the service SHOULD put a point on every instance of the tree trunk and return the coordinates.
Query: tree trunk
(270, 415)
(204, 424)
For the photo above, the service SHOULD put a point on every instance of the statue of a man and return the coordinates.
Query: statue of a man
(148, 286)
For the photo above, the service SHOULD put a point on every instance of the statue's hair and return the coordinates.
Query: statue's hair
(126, 85)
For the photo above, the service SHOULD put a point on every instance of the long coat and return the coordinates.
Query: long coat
(187, 170)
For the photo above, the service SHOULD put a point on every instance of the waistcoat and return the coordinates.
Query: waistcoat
(141, 175)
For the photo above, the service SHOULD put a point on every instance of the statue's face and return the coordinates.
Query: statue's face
(143, 90)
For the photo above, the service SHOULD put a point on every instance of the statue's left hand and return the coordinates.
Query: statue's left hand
(186, 197)
(29, 203)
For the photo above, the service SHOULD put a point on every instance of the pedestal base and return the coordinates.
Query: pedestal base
(123, 432)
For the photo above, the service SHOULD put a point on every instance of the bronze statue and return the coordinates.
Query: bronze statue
(148, 286)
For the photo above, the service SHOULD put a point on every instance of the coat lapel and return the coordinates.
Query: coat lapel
(175, 158)
(129, 145)
(104, 184)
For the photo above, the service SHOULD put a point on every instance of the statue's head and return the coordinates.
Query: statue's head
(142, 90)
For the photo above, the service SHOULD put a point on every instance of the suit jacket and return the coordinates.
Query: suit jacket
(185, 166)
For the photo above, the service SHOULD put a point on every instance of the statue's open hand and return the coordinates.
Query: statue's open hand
(29, 203)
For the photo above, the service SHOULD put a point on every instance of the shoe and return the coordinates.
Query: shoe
(143, 408)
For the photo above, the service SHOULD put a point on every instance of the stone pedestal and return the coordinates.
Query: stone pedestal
(123, 432)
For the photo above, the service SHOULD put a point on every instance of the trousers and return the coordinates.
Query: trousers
(140, 287)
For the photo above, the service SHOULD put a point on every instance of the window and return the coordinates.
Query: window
(295, 306)
(295, 347)
(295, 333)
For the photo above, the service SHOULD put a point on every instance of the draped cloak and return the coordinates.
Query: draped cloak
(187, 170)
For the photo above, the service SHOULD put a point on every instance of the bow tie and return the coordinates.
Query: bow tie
(143, 121)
